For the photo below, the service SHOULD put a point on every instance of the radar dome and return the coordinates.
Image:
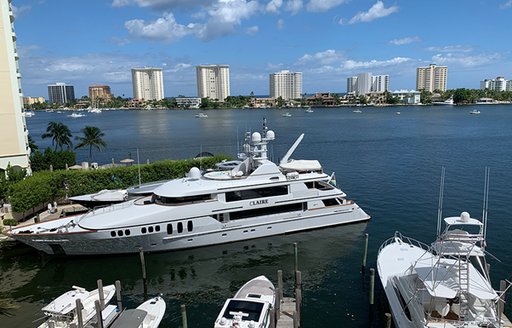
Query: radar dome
(194, 173)
(270, 135)
(464, 216)
(256, 137)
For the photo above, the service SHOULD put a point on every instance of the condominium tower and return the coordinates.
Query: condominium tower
(365, 83)
(431, 78)
(99, 93)
(60, 93)
(148, 83)
(14, 150)
(213, 82)
(286, 84)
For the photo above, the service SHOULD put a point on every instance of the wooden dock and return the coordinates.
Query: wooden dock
(287, 309)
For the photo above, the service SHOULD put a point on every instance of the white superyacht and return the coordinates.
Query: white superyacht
(257, 198)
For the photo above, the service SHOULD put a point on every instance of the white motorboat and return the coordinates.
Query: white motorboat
(357, 111)
(447, 102)
(201, 115)
(28, 113)
(102, 198)
(95, 110)
(62, 312)
(446, 284)
(76, 115)
(287, 114)
(257, 198)
(250, 307)
(147, 315)
(475, 112)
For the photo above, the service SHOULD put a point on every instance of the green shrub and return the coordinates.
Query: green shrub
(57, 159)
(45, 186)
(10, 222)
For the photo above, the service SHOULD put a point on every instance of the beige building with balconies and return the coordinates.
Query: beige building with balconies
(99, 94)
(431, 78)
(213, 82)
(14, 150)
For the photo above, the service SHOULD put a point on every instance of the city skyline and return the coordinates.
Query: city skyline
(86, 43)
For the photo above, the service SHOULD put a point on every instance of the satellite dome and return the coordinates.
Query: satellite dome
(270, 135)
(464, 216)
(194, 173)
(256, 137)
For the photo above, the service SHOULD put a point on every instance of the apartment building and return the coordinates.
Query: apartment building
(14, 150)
(285, 84)
(431, 78)
(213, 82)
(60, 93)
(365, 83)
(148, 83)
(99, 93)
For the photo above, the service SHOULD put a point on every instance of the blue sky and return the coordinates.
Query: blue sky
(98, 42)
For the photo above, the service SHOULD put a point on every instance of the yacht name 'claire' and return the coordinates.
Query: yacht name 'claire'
(258, 202)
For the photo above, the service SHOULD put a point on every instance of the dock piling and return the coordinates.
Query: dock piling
(372, 285)
(388, 320)
(118, 296)
(184, 316)
(296, 254)
(79, 317)
(144, 277)
(365, 254)
(99, 318)
(101, 295)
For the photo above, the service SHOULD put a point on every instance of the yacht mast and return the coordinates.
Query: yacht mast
(440, 205)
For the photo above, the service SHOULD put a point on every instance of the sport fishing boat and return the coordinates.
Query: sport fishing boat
(62, 312)
(250, 307)
(257, 198)
(445, 284)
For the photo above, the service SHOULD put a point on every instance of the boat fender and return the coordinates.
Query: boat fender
(252, 324)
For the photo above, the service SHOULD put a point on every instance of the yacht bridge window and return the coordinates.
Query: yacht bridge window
(232, 196)
(179, 200)
(267, 211)
(320, 185)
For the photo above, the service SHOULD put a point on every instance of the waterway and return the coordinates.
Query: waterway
(389, 164)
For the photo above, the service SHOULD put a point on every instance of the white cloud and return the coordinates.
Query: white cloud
(273, 6)
(165, 28)
(252, 30)
(294, 6)
(162, 4)
(324, 58)
(376, 11)
(455, 48)
(225, 16)
(280, 24)
(323, 5)
(465, 60)
(355, 65)
(179, 67)
(18, 11)
(507, 4)
(406, 40)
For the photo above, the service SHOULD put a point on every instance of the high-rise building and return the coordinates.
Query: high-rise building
(148, 83)
(213, 82)
(497, 84)
(431, 78)
(99, 93)
(14, 150)
(60, 93)
(286, 84)
(365, 83)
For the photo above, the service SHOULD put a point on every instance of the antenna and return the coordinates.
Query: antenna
(440, 205)
(486, 200)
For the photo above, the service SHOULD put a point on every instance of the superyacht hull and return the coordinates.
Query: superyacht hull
(184, 234)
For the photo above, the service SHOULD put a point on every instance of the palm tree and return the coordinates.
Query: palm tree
(92, 138)
(60, 134)
(32, 144)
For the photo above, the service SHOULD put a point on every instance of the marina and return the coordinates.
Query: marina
(388, 164)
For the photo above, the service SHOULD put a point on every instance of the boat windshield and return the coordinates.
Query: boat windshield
(247, 309)
(179, 200)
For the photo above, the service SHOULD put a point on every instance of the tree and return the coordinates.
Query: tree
(93, 137)
(60, 134)
(31, 143)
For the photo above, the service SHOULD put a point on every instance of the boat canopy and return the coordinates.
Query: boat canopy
(301, 165)
(130, 319)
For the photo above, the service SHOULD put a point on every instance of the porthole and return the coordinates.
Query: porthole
(157, 228)
(143, 230)
(113, 233)
(190, 226)
(120, 233)
(180, 227)
(169, 229)
(150, 229)
(127, 232)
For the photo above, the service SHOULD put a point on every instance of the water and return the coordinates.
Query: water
(390, 164)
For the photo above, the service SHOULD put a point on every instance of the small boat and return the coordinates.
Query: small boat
(76, 115)
(147, 315)
(287, 114)
(398, 113)
(447, 102)
(201, 115)
(95, 110)
(28, 114)
(357, 111)
(309, 110)
(250, 307)
(62, 311)
(475, 112)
